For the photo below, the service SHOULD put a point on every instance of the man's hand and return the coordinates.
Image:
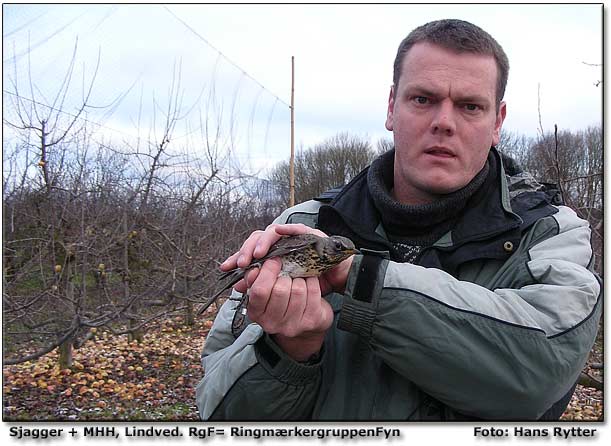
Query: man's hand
(292, 310)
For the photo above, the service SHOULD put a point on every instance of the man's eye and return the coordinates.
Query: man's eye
(421, 100)
(471, 107)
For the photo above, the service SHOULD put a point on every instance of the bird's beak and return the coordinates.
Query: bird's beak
(353, 251)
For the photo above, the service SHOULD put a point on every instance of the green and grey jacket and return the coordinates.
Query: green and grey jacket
(493, 321)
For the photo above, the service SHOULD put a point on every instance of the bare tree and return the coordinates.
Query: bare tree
(55, 191)
(329, 164)
(384, 145)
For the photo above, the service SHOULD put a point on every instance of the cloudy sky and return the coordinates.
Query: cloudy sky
(230, 67)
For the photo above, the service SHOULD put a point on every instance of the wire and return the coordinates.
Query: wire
(105, 126)
(44, 40)
(99, 124)
(224, 57)
(66, 113)
(19, 28)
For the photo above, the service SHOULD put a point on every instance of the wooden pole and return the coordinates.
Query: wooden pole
(292, 161)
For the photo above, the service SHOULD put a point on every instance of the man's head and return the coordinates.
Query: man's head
(460, 37)
(444, 109)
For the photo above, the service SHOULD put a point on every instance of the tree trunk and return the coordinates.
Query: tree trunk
(66, 347)
(65, 354)
(190, 319)
(589, 381)
(136, 334)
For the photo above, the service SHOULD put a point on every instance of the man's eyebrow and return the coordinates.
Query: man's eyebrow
(474, 98)
(424, 91)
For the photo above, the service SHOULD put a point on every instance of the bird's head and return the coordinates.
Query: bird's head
(337, 248)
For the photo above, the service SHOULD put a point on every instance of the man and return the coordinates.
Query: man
(472, 297)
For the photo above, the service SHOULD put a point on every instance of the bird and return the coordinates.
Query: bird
(303, 255)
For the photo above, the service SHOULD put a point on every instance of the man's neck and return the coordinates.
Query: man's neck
(406, 196)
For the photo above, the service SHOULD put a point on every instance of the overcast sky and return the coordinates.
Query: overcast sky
(343, 59)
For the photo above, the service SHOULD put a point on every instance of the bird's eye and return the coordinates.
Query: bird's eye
(338, 245)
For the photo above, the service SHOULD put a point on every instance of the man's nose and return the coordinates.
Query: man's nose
(444, 120)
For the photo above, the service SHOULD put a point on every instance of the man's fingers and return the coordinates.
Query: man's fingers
(256, 241)
(297, 302)
(267, 239)
(240, 286)
(296, 229)
(251, 275)
(292, 318)
(261, 288)
(245, 254)
(230, 262)
(236, 259)
(275, 311)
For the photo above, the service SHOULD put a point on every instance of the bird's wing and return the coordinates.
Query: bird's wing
(278, 249)
(289, 244)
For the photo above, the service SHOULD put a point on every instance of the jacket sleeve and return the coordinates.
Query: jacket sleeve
(251, 378)
(500, 353)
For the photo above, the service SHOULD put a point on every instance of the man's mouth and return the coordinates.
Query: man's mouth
(441, 152)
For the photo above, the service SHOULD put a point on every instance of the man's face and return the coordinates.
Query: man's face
(444, 120)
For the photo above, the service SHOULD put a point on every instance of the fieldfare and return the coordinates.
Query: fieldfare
(303, 255)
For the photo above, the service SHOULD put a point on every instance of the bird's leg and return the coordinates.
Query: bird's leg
(240, 317)
(242, 302)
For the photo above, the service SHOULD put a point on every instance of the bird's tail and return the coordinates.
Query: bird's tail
(230, 278)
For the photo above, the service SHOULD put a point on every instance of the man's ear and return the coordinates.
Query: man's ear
(498, 125)
(391, 107)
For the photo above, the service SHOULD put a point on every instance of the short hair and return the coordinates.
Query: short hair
(459, 36)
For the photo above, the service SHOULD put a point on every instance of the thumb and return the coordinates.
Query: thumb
(335, 279)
